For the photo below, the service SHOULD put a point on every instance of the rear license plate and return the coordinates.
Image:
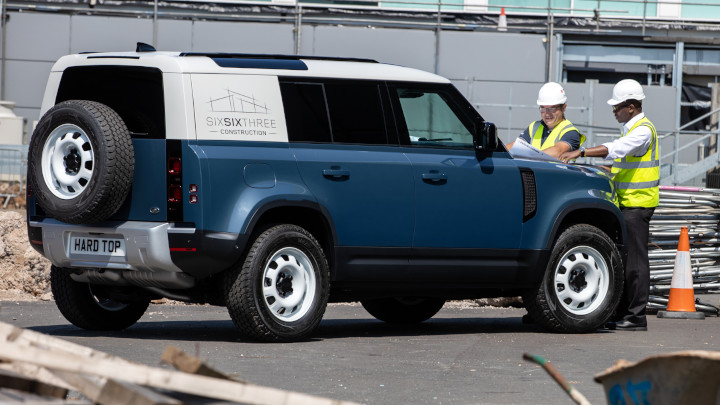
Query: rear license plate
(85, 245)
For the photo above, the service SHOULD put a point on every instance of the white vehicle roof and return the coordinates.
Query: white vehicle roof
(280, 65)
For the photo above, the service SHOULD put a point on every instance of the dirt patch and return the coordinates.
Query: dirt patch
(24, 273)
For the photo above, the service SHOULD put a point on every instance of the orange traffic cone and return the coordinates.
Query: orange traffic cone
(681, 303)
(502, 20)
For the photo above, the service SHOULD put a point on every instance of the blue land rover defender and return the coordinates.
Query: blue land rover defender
(273, 185)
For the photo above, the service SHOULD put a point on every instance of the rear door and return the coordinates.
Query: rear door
(350, 159)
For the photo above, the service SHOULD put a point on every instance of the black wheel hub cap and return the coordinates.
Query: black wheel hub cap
(577, 280)
(284, 285)
(72, 162)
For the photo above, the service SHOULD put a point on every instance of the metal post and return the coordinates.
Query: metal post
(591, 96)
(3, 20)
(677, 82)
(548, 51)
(559, 54)
(644, 16)
(437, 38)
(298, 26)
(155, 24)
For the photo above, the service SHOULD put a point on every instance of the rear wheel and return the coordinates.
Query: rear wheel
(582, 285)
(281, 291)
(95, 307)
(404, 310)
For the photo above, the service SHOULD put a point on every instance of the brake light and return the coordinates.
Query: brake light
(173, 150)
(174, 194)
(174, 166)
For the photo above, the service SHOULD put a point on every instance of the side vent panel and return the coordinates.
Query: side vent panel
(529, 194)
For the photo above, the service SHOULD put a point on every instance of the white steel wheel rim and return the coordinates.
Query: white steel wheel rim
(288, 284)
(581, 280)
(68, 161)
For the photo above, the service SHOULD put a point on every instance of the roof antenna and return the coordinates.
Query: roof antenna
(143, 47)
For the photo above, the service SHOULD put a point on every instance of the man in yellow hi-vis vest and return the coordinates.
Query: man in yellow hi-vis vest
(553, 133)
(636, 171)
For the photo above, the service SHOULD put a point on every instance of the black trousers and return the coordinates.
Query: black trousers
(637, 270)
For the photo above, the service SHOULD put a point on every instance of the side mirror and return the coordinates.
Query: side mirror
(486, 138)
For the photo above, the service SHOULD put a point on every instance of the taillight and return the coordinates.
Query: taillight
(174, 181)
(174, 166)
(174, 194)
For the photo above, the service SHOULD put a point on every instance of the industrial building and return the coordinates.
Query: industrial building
(497, 52)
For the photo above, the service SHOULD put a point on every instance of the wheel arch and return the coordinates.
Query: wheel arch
(598, 215)
(306, 214)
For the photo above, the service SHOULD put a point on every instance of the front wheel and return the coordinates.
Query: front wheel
(403, 310)
(582, 285)
(94, 307)
(281, 291)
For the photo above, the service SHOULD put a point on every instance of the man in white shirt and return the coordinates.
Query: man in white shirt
(636, 174)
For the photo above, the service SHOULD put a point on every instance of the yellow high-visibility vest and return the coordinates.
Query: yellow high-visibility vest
(560, 129)
(637, 178)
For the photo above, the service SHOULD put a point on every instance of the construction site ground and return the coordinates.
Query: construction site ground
(467, 354)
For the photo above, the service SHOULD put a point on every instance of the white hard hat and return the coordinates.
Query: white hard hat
(551, 93)
(627, 89)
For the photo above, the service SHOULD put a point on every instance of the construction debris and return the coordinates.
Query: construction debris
(50, 367)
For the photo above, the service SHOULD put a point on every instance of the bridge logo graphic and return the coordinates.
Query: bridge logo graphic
(238, 103)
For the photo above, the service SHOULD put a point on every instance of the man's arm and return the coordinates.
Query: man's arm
(558, 149)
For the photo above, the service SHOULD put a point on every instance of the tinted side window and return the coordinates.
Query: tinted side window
(356, 113)
(431, 120)
(135, 93)
(305, 112)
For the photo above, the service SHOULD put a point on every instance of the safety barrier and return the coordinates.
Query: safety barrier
(699, 210)
(12, 175)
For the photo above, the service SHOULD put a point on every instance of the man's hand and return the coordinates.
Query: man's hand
(571, 155)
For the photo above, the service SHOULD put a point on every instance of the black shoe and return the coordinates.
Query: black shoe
(626, 325)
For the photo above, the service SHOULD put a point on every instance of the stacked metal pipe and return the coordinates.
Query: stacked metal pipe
(699, 210)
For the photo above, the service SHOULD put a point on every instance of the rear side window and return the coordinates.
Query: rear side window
(356, 113)
(337, 112)
(305, 112)
(135, 93)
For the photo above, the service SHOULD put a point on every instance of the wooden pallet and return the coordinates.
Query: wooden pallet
(48, 367)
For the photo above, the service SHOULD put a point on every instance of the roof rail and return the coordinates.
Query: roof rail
(220, 55)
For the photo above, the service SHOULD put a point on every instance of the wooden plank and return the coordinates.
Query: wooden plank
(116, 392)
(37, 373)
(90, 387)
(182, 361)
(19, 382)
(13, 334)
(106, 391)
(166, 379)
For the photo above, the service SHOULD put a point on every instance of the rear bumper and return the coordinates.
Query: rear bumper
(150, 247)
(146, 244)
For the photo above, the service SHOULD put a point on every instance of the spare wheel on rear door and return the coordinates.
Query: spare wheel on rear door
(80, 162)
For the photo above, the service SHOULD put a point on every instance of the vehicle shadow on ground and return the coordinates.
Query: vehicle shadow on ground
(225, 331)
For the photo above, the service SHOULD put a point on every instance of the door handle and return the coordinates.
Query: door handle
(434, 177)
(336, 174)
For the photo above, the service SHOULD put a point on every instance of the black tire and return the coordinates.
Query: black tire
(87, 306)
(582, 285)
(281, 291)
(405, 310)
(80, 162)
